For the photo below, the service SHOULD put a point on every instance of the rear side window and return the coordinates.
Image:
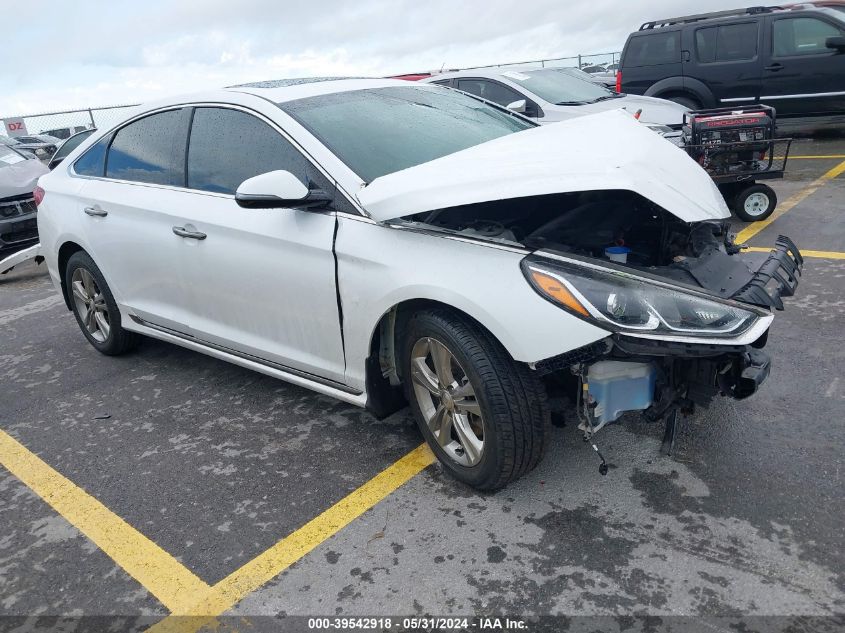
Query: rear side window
(490, 90)
(230, 146)
(93, 161)
(150, 150)
(802, 36)
(728, 43)
(653, 49)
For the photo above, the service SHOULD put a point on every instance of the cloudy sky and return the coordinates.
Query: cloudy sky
(62, 55)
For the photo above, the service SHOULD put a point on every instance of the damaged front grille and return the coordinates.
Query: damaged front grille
(16, 206)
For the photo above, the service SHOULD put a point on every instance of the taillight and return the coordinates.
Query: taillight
(619, 81)
(38, 194)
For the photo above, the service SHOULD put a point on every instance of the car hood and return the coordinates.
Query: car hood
(603, 151)
(21, 177)
(653, 110)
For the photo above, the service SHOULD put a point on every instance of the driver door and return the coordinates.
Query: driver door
(262, 281)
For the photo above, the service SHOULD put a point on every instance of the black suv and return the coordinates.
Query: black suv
(791, 58)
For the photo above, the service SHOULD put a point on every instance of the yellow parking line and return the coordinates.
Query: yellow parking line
(753, 229)
(269, 564)
(808, 157)
(159, 572)
(819, 254)
(178, 589)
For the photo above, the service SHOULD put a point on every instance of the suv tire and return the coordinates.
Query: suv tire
(485, 416)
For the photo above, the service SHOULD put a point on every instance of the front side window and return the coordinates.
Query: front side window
(490, 90)
(150, 150)
(728, 43)
(229, 146)
(802, 36)
(383, 130)
(653, 49)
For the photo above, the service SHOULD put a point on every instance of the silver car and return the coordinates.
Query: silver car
(548, 95)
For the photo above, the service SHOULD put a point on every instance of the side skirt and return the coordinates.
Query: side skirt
(288, 374)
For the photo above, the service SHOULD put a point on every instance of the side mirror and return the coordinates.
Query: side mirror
(517, 106)
(837, 42)
(278, 189)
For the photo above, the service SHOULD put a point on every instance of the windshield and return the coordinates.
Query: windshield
(561, 86)
(383, 130)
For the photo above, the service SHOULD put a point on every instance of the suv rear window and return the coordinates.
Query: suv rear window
(654, 48)
(726, 43)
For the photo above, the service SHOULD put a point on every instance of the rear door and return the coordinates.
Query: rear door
(727, 58)
(131, 201)
(801, 75)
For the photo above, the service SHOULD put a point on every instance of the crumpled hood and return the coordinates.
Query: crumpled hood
(21, 177)
(654, 110)
(604, 151)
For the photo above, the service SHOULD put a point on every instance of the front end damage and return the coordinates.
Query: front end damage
(629, 234)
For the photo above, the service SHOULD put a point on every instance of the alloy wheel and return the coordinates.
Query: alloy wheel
(447, 401)
(90, 305)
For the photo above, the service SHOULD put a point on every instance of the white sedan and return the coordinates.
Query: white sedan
(385, 242)
(549, 95)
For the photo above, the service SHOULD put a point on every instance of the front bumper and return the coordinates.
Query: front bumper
(18, 225)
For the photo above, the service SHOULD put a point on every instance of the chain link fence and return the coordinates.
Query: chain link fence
(63, 124)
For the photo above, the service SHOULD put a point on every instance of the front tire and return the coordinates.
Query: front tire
(687, 102)
(484, 415)
(94, 307)
(755, 203)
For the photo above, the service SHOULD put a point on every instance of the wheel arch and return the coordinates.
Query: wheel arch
(66, 251)
(384, 382)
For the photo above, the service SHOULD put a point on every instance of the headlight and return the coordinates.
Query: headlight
(624, 302)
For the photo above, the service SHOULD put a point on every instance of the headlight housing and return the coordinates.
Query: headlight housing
(624, 302)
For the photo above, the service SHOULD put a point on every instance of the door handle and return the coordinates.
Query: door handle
(96, 212)
(181, 231)
(775, 67)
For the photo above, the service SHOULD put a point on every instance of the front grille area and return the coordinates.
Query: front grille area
(20, 231)
(15, 206)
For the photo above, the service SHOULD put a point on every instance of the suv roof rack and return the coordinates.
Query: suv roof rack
(707, 16)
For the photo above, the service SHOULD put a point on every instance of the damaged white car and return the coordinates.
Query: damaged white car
(384, 242)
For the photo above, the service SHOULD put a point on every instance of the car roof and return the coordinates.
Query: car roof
(732, 14)
(290, 89)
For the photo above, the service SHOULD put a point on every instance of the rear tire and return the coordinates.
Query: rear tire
(755, 203)
(94, 307)
(483, 392)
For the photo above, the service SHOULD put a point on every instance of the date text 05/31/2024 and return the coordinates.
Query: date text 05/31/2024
(418, 623)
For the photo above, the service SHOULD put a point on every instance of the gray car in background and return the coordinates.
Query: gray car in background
(42, 145)
(548, 95)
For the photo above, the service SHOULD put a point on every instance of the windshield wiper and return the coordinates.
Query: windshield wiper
(606, 97)
(571, 103)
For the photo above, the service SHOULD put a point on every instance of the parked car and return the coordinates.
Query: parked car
(16, 145)
(63, 133)
(68, 146)
(378, 239)
(792, 59)
(548, 95)
(18, 177)
(42, 145)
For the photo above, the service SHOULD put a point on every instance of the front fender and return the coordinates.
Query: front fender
(380, 267)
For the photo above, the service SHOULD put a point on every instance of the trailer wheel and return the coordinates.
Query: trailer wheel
(755, 203)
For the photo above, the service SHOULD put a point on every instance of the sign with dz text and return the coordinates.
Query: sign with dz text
(15, 127)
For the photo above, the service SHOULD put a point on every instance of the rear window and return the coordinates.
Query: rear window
(727, 43)
(655, 48)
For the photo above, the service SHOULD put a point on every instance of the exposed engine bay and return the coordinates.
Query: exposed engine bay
(622, 230)
(625, 228)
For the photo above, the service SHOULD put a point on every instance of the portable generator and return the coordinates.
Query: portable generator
(736, 147)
